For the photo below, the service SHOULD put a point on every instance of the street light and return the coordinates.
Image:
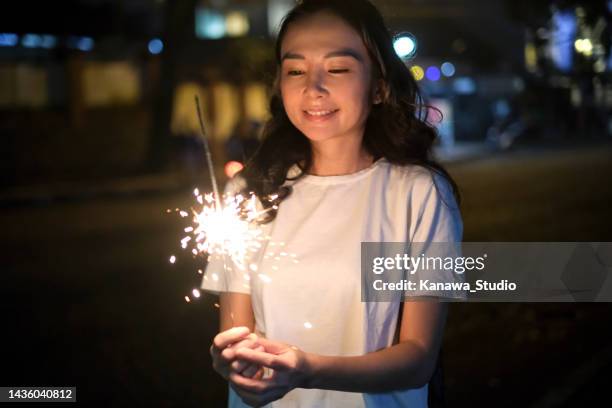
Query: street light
(405, 45)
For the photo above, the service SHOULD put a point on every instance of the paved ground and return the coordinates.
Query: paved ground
(89, 298)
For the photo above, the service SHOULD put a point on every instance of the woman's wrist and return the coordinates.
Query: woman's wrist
(309, 369)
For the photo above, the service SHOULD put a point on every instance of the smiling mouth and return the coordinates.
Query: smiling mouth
(320, 113)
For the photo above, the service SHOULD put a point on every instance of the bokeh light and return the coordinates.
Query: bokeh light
(432, 73)
(156, 46)
(417, 72)
(448, 69)
(405, 45)
(232, 167)
(236, 24)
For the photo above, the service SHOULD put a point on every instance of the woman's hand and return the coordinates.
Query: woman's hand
(223, 352)
(290, 369)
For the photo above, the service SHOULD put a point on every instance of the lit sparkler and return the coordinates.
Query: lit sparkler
(225, 226)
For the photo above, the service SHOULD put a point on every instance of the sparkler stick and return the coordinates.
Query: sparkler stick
(211, 169)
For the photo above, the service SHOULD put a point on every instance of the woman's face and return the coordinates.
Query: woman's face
(325, 78)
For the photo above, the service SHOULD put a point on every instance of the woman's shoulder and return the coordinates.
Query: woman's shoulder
(420, 180)
(411, 174)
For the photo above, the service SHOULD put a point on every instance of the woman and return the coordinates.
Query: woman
(346, 155)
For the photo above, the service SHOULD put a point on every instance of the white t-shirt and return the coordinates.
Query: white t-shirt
(306, 290)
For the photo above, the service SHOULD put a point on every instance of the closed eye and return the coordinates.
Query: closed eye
(294, 72)
(338, 71)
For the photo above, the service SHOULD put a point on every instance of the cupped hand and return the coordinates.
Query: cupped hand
(224, 348)
(288, 367)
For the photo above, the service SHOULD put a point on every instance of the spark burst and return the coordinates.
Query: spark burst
(230, 230)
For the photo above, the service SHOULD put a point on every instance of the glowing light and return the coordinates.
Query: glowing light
(448, 69)
(584, 46)
(48, 41)
(8, 39)
(417, 72)
(210, 24)
(225, 230)
(432, 73)
(563, 34)
(308, 325)
(236, 24)
(187, 299)
(464, 86)
(196, 293)
(156, 46)
(232, 167)
(405, 45)
(85, 43)
(172, 259)
(31, 40)
(531, 57)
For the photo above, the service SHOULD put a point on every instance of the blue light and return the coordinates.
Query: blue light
(562, 39)
(448, 69)
(8, 39)
(48, 41)
(156, 46)
(85, 43)
(464, 86)
(432, 73)
(405, 45)
(31, 40)
(210, 24)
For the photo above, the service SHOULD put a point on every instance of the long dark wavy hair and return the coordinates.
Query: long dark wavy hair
(396, 129)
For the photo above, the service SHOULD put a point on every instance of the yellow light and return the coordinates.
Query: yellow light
(236, 24)
(584, 46)
(417, 72)
(531, 57)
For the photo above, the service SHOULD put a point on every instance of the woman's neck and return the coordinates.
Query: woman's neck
(333, 158)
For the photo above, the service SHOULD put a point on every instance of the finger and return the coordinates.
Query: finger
(228, 355)
(260, 358)
(225, 338)
(247, 342)
(251, 384)
(273, 347)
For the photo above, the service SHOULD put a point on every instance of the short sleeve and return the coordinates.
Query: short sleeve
(434, 213)
(435, 236)
(222, 274)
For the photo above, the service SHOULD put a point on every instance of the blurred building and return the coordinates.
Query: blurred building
(107, 86)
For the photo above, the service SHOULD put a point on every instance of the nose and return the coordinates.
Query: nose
(315, 85)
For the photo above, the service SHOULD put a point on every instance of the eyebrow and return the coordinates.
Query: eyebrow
(344, 52)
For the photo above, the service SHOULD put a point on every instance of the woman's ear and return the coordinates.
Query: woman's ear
(379, 92)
